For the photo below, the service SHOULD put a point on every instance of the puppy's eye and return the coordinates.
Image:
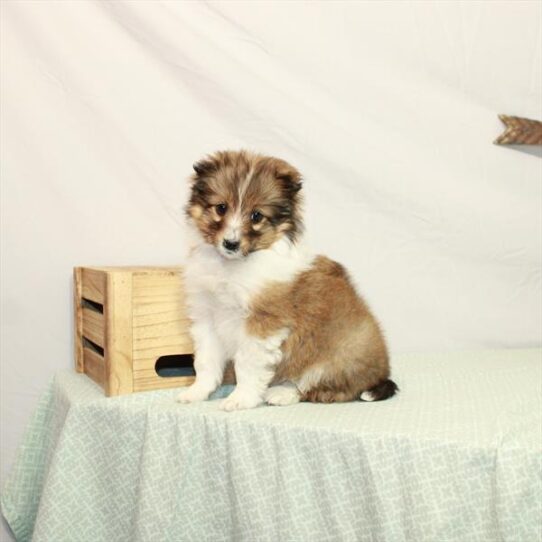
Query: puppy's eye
(256, 217)
(221, 209)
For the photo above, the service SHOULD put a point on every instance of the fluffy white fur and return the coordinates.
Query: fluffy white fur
(218, 296)
(282, 394)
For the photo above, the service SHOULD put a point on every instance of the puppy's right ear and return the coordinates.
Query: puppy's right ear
(204, 167)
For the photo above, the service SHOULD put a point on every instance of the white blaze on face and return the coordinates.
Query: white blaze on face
(234, 228)
(232, 232)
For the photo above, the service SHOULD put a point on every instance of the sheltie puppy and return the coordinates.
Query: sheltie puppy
(292, 323)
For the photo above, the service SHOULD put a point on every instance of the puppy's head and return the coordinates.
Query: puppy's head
(242, 202)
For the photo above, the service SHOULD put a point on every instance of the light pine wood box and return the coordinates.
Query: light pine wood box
(125, 319)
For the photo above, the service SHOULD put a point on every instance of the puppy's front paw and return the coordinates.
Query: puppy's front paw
(240, 400)
(192, 394)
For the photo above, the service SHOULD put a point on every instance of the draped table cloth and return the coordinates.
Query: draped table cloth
(455, 456)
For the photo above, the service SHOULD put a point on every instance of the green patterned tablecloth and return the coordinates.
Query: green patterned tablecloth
(456, 456)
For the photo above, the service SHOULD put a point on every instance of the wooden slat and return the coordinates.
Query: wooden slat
(148, 313)
(163, 326)
(78, 320)
(148, 345)
(136, 269)
(142, 383)
(93, 326)
(149, 373)
(118, 339)
(146, 379)
(159, 287)
(93, 284)
(94, 366)
(147, 356)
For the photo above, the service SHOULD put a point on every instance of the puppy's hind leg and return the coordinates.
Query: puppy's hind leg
(283, 394)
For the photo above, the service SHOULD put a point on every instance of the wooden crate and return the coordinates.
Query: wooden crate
(128, 319)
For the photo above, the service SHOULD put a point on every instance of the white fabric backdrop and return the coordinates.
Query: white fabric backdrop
(389, 110)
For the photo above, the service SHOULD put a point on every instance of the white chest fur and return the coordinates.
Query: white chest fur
(219, 290)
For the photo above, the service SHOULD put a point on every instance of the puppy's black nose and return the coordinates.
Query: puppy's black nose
(230, 245)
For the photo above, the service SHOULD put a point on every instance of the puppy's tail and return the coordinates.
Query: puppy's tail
(384, 390)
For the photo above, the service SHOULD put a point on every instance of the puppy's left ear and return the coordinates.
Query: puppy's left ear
(290, 178)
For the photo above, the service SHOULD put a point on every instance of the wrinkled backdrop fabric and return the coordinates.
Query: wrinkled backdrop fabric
(388, 109)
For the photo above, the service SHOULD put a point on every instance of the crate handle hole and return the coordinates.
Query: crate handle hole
(92, 305)
(175, 365)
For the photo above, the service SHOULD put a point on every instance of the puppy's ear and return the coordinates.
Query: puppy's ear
(204, 167)
(289, 177)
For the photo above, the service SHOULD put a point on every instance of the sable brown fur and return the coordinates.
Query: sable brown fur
(332, 332)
